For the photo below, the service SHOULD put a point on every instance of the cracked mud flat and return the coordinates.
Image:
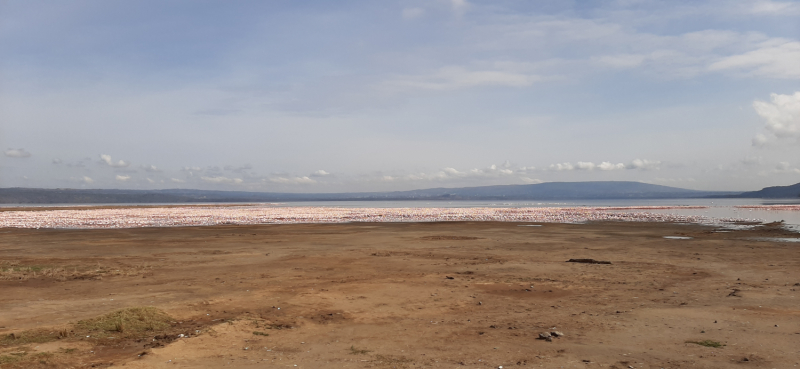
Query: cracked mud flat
(406, 295)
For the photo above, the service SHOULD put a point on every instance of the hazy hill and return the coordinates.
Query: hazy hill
(541, 191)
(555, 191)
(774, 192)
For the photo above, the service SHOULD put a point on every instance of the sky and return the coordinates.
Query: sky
(340, 96)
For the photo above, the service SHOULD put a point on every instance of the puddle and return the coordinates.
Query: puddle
(774, 239)
(678, 238)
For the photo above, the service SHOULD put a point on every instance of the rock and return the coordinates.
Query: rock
(557, 333)
(588, 261)
(546, 336)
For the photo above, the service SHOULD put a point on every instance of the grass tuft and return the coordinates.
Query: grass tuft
(130, 322)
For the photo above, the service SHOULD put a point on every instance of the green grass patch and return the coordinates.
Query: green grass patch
(130, 322)
(707, 343)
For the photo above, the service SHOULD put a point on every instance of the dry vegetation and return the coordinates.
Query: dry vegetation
(17, 270)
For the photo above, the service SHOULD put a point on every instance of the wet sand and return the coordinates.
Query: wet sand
(406, 295)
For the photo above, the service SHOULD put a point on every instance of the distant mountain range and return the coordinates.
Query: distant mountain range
(607, 190)
(775, 192)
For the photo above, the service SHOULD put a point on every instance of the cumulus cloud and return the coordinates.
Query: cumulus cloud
(609, 166)
(320, 173)
(585, 165)
(220, 179)
(490, 171)
(643, 164)
(562, 167)
(17, 153)
(293, 180)
(87, 180)
(106, 159)
(781, 116)
(122, 178)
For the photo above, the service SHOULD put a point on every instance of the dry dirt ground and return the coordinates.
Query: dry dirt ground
(407, 295)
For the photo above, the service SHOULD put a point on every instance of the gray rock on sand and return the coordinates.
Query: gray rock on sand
(557, 333)
(546, 336)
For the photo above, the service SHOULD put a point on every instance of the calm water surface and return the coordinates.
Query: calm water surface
(712, 208)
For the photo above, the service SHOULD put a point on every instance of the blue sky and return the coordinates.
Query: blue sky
(322, 96)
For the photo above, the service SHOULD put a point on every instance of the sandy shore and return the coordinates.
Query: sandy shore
(402, 295)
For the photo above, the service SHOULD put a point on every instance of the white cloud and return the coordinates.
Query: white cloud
(293, 180)
(785, 167)
(621, 60)
(106, 159)
(760, 140)
(644, 164)
(177, 180)
(775, 59)
(562, 167)
(773, 8)
(457, 77)
(459, 6)
(673, 180)
(320, 173)
(220, 179)
(122, 178)
(531, 180)
(609, 166)
(781, 115)
(585, 165)
(151, 168)
(413, 13)
(87, 180)
(17, 153)
(150, 180)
